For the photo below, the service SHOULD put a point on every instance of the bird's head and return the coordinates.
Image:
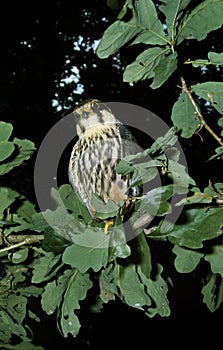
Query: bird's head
(92, 115)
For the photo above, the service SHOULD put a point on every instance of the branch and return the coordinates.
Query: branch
(21, 241)
(198, 113)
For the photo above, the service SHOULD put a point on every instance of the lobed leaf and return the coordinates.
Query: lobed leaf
(199, 225)
(215, 259)
(218, 153)
(7, 197)
(24, 149)
(20, 255)
(178, 174)
(45, 267)
(6, 149)
(130, 286)
(186, 259)
(5, 131)
(155, 201)
(157, 289)
(104, 210)
(118, 248)
(67, 197)
(76, 290)
(213, 292)
(84, 257)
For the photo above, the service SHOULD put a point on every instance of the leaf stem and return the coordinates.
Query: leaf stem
(198, 113)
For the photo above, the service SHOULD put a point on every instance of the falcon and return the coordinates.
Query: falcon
(102, 142)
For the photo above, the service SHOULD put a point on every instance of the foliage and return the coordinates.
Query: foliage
(57, 258)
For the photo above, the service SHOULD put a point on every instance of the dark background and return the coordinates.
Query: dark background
(41, 42)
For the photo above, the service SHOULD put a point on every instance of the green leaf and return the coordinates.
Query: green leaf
(183, 116)
(53, 293)
(118, 248)
(104, 210)
(63, 226)
(17, 307)
(178, 174)
(186, 260)
(173, 11)
(7, 197)
(196, 197)
(143, 254)
(12, 314)
(155, 202)
(213, 58)
(213, 292)
(199, 225)
(26, 209)
(203, 19)
(157, 289)
(19, 225)
(76, 291)
(211, 91)
(45, 267)
(20, 255)
(215, 259)
(5, 131)
(143, 20)
(85, 257)
(162, 71)
(25, 344)
(65, 295)
(218, 153)
(163, 143)
(6, 149)
(130, 286)
(124, 167)
(14, 327)
(114, 4)
(108, 278)
(108, 288)
(68, 197)
(143, 67)
(144, 172)
(25, 149)
(30, 291)
(146, 18)
(116, 36)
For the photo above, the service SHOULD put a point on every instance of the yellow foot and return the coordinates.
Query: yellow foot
(107, 225)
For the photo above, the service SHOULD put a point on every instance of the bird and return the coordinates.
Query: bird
(103, 140)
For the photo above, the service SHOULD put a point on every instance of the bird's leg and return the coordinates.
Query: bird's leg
(107, 225)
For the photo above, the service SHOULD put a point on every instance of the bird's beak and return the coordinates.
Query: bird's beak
(85, 112)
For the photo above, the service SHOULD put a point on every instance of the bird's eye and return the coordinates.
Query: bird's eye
(94, 104)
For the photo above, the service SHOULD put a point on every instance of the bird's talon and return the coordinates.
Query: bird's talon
(107, 225)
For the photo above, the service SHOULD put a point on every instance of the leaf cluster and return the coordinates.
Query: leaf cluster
(62, 258)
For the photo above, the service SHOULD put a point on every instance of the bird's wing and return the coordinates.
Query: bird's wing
(129, 141)
(130, 146)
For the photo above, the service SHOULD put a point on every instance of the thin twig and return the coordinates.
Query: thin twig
(198, 113)
(28, 240)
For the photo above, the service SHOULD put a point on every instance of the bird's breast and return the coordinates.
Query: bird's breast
(93, 166)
